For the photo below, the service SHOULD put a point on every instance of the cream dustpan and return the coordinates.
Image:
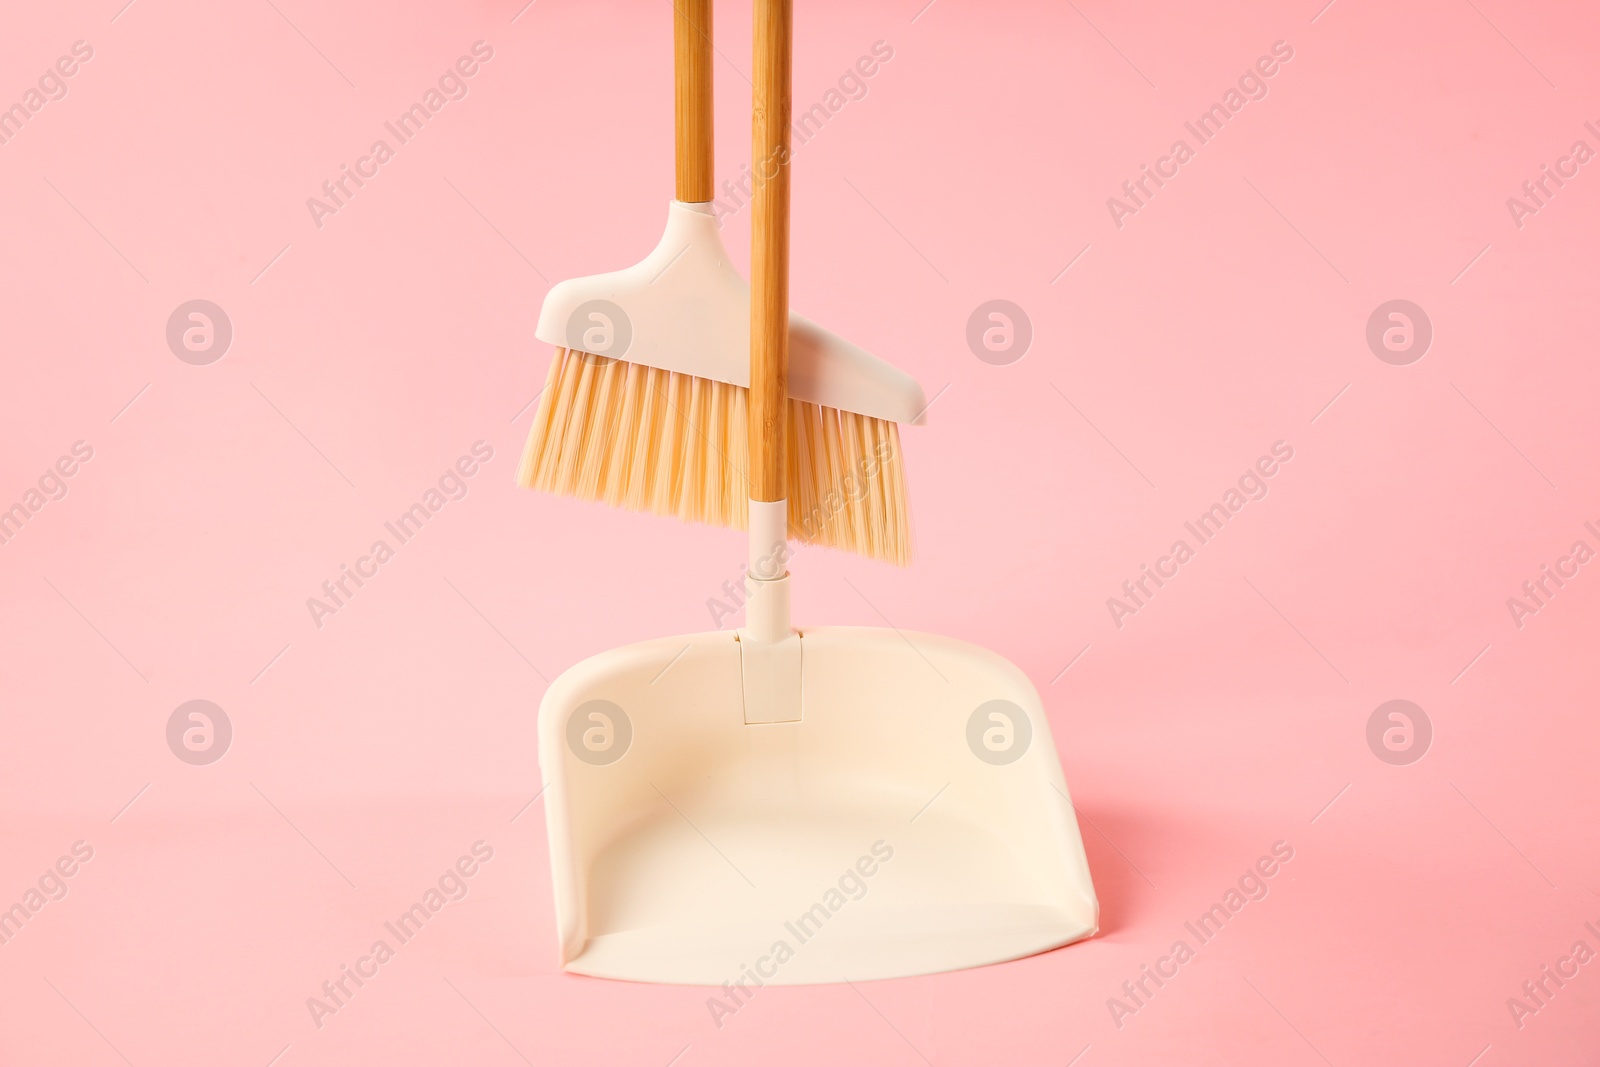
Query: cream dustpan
(913, 820)
(781, 807)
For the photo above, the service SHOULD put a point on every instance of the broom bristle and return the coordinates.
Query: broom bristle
(653, 440)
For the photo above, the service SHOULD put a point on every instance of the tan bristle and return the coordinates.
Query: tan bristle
(647, 439)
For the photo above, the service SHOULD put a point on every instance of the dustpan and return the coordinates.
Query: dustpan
(914, 820)
(773, 806)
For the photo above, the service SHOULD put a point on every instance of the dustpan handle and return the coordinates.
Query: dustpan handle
(769, 250)
(767, 608)
(691, 44)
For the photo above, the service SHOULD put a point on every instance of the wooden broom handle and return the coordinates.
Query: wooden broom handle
(691, 39)
(769, 250)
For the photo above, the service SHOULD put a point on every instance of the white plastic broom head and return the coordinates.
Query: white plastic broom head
(685, 308)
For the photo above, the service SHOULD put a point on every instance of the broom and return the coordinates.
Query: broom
(651, 437)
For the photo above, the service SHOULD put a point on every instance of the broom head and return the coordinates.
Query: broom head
(648, 439)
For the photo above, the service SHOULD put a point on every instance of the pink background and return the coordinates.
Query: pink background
(369, 753)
